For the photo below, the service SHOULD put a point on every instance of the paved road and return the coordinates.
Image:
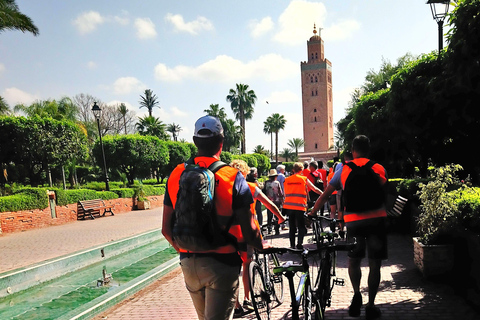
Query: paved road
(403, 293)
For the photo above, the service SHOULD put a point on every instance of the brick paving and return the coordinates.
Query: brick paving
(403, 294)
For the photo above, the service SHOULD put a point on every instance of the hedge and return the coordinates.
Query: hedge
(25, 199)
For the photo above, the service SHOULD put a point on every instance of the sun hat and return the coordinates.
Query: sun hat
(272, 173)
(208, 126)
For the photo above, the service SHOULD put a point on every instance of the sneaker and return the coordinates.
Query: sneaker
(372, 312)
(238, 312)
(247, 305)
(356, 305)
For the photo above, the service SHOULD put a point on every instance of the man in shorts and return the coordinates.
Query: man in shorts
(363, 185)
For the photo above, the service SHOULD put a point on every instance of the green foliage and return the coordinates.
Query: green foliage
(248, 158)
(178, 152)
(263, 163)
(124, 192)
(226, 157)
(25, 199)
(468, 202)
(439, 213)
(133, 154)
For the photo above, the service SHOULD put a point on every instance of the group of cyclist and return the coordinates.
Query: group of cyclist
(211, 277)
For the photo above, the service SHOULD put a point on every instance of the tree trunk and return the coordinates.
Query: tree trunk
(276, 147)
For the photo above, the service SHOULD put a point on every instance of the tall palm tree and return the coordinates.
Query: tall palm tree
(64, 109)
(151, 126)
(4, 108)
(122, 109)
(12, 19)
(174, 129)
(278, 123)
(241, 101)
(232, 133)
(267, 128)
(295, 144)
(216, 111)
(260, 150)
(149, 101)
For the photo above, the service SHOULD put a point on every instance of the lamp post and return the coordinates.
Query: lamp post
(439, 12)
(96, 112)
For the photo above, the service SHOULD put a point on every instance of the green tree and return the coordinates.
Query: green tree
(4, 107)
(242, 101)
(260, 150)
(295, 144)
(132, 154)
(216, 111)
(64, 109)
(267, 128)
(122, 109)
(263, 163)
(174, 129)
(179, 152)
(149, 101)
(287, 154)
(12, 19)
(278, 123)
(233, 135)
(151, 126)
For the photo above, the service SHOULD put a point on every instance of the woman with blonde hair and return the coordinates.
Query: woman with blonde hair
(246, 256)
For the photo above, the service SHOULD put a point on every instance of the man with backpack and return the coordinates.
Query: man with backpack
(363, 182)
(315, 177)
(206, 209)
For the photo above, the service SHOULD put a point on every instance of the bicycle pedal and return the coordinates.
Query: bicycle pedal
(339, 282)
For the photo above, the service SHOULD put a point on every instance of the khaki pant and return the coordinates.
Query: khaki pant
(213, 286)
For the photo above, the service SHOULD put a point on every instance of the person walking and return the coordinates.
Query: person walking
(253, 177)
(316, 178)
(274, 192)
(295, 205)
(281, 176)
(212, 276)
(246, 251)
(363, 182)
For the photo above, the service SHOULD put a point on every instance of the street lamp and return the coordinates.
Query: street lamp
(96, 112)
(439, 12)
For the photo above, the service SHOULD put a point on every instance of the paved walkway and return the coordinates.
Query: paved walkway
(403, 293)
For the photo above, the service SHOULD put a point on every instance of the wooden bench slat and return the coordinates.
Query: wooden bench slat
(91, 207)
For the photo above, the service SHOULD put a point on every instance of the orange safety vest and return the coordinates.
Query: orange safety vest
(329, 177)
(357, 216)
(295, 193)
(224, 181)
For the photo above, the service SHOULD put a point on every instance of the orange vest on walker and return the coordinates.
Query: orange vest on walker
(295, 193)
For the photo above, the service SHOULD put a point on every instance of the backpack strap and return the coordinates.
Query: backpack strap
(217, 165)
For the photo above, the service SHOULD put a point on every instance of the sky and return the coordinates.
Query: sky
(191, 53)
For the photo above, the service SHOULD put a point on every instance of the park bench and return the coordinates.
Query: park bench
(91, 207)
(397, 209)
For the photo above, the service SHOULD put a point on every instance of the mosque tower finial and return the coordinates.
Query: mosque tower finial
(314, 29)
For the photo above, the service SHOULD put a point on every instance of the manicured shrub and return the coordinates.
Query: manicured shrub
(25, 199)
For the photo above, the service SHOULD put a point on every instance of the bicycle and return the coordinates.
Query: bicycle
(327, 277)
(304, 295)
(265, 286)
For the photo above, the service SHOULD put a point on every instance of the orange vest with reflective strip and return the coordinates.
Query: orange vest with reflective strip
(357, 216)
(295, 193)
(224, 181)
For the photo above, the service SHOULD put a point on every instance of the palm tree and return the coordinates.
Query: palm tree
(260, 150)
(149, 101)
(12, 19)
(174, 129)
(295, 144)
(287, 154)
(232, 133)
(4, 108)
(151, 126)
(278, 123)
(217, 112)
(64, 109)
(122, 109)
(241, 101)
(267, 128)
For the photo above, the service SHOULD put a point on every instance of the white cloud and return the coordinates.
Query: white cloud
(2, 68)
(259, 28)
(145, 28)
(126, 85)
(176, 112)
(270, 67)
(15, 96)
(286, 96)
(118, 103)
(88, 22)
(192, 27)
(341, 30)
(91, 65)
(298, 18)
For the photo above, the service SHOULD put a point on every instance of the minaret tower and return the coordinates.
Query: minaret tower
(317, 105)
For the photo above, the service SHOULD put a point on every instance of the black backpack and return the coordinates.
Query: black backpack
(318, 182)
(195, 223)
(363, 190)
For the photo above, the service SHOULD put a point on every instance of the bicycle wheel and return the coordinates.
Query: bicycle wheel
(317, 313)
(276, 279)
(317, 230)
(325, 285)
(307, 302)
(258, 292)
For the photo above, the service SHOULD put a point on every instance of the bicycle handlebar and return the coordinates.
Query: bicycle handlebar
(317, 218)
(325, 246)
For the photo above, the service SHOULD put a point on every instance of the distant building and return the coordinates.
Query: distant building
(317, 102)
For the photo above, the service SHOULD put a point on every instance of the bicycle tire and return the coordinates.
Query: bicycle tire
(276, 279)
(324, 289)
(307, 302)
(260, 296)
